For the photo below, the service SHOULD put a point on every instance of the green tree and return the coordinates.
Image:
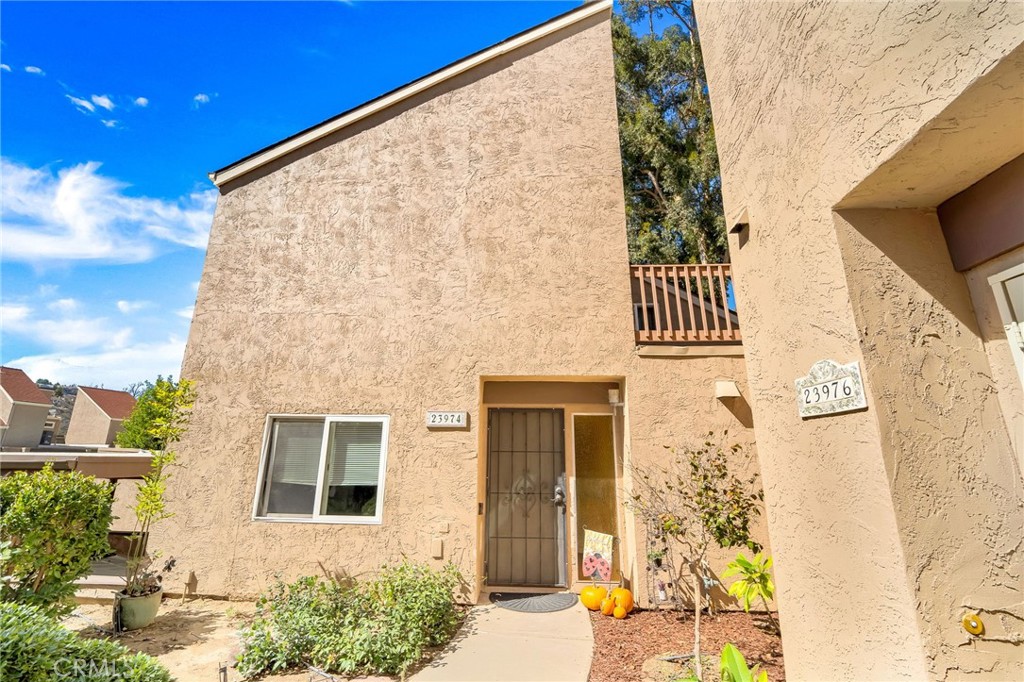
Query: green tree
(667, 137)
(155, 420)
(165, 411)
(699, 501)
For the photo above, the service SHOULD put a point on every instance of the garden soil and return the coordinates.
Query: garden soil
(623, 647)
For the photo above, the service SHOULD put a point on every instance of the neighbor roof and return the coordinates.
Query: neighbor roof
(116, 404)
(20, 388)
(286, 146)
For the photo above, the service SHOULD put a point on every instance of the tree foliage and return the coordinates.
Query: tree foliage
(159, 415)
(666, 134)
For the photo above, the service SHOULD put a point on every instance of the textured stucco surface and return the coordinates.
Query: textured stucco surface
(24, 423)
(476, 232)
(886, 524)
(89, 425)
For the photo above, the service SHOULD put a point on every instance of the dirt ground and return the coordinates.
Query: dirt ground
(192, 639)
(621, 647)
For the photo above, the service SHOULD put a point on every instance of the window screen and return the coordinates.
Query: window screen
(349, 467)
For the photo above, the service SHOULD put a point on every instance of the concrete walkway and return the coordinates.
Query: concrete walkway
(498, 645)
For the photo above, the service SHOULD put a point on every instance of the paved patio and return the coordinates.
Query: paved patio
(498, 645)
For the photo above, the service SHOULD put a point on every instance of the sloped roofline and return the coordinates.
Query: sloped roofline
(301, 139)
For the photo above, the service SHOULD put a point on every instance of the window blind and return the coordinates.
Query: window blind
(297, 451)
(353, 455)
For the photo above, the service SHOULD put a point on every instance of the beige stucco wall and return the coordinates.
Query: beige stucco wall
(89, 425)
(477, 232)
(24, 423)
(887, 524)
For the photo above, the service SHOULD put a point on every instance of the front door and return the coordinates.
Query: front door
(525, 497)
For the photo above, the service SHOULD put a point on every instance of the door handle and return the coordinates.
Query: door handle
(559, 498)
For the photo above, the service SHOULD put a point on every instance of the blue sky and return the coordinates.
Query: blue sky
(111, 115)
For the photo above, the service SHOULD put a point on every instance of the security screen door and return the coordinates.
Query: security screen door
(525, 497)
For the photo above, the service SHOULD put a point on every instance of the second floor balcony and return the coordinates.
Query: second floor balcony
(684, 304)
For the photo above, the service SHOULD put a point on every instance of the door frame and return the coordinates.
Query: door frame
(569, 411)
(1010, 324)
(576, 541)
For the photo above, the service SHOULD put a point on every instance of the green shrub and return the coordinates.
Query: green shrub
(381, 626)
(54, 524)
(34, 647)
(755, 582)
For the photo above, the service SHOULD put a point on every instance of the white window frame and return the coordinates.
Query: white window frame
(266, 456)
(639, 317)
(1012, 326)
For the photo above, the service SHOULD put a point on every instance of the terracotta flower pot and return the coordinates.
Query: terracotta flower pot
(133, 613)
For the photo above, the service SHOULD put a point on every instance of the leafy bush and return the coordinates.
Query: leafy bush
(53, 524)
(381, 626)
(35, 648)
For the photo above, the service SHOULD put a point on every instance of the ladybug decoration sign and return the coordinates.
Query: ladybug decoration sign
(597, 555)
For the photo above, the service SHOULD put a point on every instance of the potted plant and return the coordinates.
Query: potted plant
(165, 409)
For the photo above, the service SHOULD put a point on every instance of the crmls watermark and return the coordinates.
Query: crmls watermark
(78, 668)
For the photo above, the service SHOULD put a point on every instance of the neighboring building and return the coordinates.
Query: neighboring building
(51, 427)
(871, 165)
(24, 408)
(457, 244)
(97, 416)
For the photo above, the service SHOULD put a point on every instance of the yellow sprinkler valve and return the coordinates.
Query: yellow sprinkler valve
(972, 623)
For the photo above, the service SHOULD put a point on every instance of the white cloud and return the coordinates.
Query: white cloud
(186, 312)
(195, 285)
(14, 314)
(201, 99)
(113, 367)
(47, 290)
(4, 67)
(63, 305)
(35, 69)
(103, 101)
(141, 102)
(109, 123)
(85, 106)
(81, 215)
(129, 307)
(66, 333)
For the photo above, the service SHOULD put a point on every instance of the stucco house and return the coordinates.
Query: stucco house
(24, 409)
(873, 178)
(416, 335)
(97, 416)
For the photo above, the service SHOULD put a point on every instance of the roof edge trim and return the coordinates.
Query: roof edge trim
(310, 135)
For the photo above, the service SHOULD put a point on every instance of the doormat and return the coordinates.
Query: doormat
(533, 603)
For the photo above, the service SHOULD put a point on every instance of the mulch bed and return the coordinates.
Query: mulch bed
(622, 646)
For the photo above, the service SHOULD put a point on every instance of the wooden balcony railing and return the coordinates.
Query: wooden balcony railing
(684, 304)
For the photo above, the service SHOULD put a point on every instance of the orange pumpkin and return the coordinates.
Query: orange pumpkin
(619, 612)
(607, 606)
(592, 596)
(623, 597)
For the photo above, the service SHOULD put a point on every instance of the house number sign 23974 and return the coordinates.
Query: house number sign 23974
(447, 420)
(830, 388)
